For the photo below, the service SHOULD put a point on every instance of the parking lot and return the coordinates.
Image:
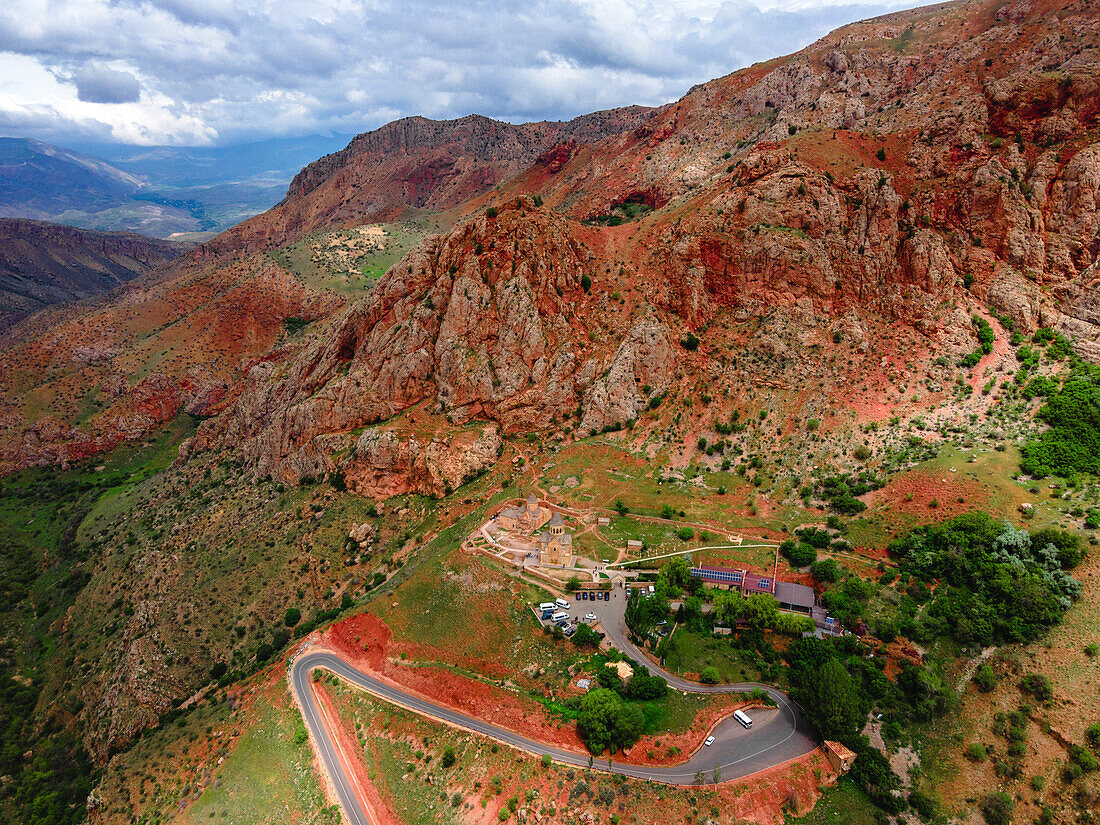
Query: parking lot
(577, 608)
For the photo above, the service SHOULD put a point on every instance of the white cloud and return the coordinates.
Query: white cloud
(193, 71)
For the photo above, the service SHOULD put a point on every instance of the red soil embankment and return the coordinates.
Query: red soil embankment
(366, 641)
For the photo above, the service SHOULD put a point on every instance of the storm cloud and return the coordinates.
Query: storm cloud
(101, 84)
(202, 71)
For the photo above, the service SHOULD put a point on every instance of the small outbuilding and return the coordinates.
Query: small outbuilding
(840, 756)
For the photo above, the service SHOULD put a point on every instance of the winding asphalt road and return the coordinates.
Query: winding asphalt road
(778, 734)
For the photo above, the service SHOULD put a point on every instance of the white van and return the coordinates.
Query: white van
(560, 616)
(740, 716)
(547, 606)
(562, 603)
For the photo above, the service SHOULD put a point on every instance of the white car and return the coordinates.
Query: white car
(590, 617)
(709, 741)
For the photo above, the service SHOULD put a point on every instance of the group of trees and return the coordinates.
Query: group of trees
(758, 612)
(51, 786)
(837, 682)
(644, 613)
(1072, 444)
(995, 583)
(607, 722)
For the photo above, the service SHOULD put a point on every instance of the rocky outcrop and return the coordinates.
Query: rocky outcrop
(480, 324)
(641, 367)
(385, 463)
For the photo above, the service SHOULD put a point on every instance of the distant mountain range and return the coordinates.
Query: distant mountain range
(159, 191)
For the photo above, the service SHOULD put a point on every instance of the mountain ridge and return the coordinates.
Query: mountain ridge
(43, 264)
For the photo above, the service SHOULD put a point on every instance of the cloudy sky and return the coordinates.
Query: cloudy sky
(197, 72)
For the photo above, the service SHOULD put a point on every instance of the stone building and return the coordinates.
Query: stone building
(524, 517)
(555, 545)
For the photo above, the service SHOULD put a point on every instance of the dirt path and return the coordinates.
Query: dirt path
(972, 668)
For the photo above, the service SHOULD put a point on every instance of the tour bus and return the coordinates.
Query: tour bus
(547, 606)
(741, 717)
(562, 603)
(560, 616)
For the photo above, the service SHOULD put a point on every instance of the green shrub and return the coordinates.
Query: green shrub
(825, 571)
(985, 679)
(997, 808)
(975, 752)
(710, 676)
(1092, 736)
(1072, 443)
(1038, 685)
(292, 616)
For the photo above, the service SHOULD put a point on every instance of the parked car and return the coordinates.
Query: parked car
(584, 596)
(709, 741)
(590, 617)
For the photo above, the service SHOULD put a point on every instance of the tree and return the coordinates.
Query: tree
(838, 709)
(643, 612)
(798, 554)
(825, 570)
(573, 585)
(760, 610)
(716, 774)
(449, 758)
(605, 721)
(710, 676)
(727, 607)
(644, 686)
(292, 616)
(585, 636)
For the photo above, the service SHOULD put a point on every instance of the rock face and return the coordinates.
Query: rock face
(908, 170)
(385, 464)
(43, 263)
(641, 367)
(479, 324)
(876, 175)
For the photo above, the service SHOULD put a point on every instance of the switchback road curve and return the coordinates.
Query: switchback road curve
(778, 734)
